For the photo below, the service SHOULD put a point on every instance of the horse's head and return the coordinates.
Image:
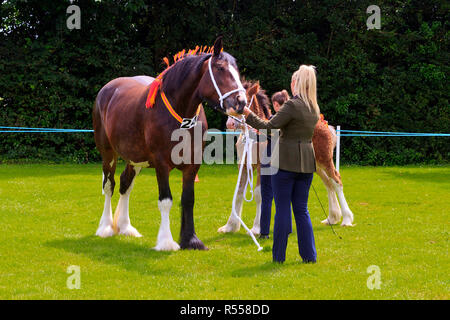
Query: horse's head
(258, 103)
(220, 83)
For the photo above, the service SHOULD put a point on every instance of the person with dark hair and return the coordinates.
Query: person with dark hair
(278, 98)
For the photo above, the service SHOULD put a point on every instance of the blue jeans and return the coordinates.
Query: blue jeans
(292, 188)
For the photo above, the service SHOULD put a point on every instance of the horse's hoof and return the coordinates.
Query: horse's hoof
(194, 243)
(227, 229)
(129, 231)
(255, 230)
(347, 224)
(167, 245)
(105, 231)
(328, 222)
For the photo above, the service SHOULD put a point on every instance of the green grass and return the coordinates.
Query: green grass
(49, 215)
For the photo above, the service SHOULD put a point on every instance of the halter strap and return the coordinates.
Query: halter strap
(226, 95)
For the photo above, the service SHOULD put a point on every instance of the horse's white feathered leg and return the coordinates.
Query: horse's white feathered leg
(122, 223)
(165, 241)
(346, 212)
(256, 223)
(334, 211)
(233, 223)
(105, 228)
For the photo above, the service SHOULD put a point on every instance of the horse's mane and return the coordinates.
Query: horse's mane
(263, 99)
(177, 73)
(185, 62)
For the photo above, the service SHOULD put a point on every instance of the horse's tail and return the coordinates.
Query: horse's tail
(99, 111)
(336, 176)
(333, 135)
(103, 99)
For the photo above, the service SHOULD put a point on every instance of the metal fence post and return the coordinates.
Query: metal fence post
(338, 147)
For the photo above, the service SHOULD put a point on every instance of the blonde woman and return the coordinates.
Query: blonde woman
(296, 163)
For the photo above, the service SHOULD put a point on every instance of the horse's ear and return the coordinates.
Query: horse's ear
(218, 46)
(253, 89)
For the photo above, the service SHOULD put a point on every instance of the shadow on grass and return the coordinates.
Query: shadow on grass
(435, 176)
(115, 251)
(238, 239)
(44, 170)
(242, 239)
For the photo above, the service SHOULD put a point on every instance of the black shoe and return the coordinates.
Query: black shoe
(309, 261)
(264, 236)
(277, 262)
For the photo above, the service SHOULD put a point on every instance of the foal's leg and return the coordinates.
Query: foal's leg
(165, 241)
(334, 211)
(188, 238)
(233, 223)
(121, 215)
(258, 199)
(347, 221)
(105, 228)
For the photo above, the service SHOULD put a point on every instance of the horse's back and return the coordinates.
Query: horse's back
(145, 80)
(119, 111)
(122, 93)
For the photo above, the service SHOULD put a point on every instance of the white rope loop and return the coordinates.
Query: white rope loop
(247, 152)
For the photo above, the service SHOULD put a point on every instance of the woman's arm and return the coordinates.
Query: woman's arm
(278, 121)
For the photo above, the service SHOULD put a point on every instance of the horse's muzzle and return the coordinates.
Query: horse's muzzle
(241, 103)
(235, 104)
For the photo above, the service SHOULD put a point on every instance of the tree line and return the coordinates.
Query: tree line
(389, 79)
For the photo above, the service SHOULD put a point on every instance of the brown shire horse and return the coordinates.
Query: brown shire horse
(124, 127)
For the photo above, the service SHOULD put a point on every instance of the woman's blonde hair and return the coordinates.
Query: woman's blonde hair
(305, 86)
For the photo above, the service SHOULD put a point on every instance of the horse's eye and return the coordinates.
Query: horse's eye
(220, 68)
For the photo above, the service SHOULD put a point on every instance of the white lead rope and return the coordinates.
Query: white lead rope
(247, 146)
(247, 154)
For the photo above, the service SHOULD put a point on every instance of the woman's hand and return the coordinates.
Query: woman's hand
(246, 111)
(232, 112)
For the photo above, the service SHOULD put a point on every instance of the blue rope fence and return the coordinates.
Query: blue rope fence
(342, 133)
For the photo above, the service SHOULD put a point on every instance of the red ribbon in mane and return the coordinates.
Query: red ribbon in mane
(156, 84)
(154, 87)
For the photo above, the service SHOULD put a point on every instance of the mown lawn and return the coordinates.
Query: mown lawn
(49, 215)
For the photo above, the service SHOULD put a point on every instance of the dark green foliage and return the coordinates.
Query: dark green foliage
(392, 79)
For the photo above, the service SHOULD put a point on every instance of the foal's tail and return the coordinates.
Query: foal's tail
(324, 141)
(336, 176)
(333, 135)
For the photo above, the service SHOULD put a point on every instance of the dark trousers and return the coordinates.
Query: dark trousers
(266, 203)
(292, 188)
(267, 194)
